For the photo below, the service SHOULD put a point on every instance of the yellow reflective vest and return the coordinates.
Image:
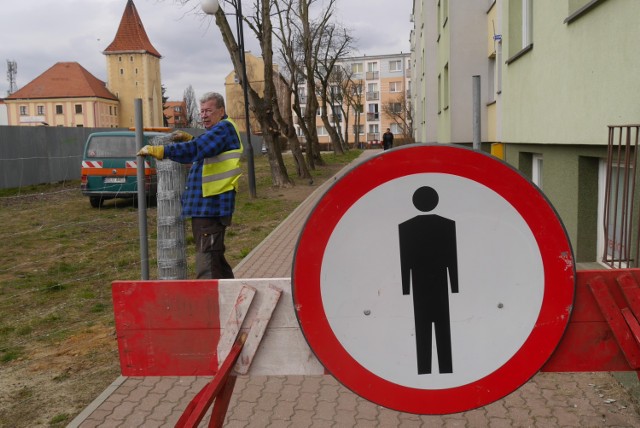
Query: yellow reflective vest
(221, 173)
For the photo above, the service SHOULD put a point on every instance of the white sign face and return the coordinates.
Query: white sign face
(433, 279)
(500, 290)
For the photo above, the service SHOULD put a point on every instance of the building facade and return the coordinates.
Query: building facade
(133, 71)
(557, 78)
(68, 95)
(64, 95)
(175, 113)
(379, 89)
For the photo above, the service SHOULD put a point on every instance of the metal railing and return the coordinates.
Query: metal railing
(620, 219)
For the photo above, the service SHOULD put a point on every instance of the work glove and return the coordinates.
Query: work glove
(155, 151)
(180, 136)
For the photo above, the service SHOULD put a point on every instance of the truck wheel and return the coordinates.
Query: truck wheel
(95, 201)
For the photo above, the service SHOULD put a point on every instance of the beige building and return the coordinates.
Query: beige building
(133, 71)
(68, 95)
(234, 94)
(379, 83)
(64, 95)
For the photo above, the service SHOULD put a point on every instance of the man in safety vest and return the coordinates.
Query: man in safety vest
(210, 193)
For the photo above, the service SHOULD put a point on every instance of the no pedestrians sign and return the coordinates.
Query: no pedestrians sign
(433, 279)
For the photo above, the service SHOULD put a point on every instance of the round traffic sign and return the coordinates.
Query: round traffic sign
(433, 279)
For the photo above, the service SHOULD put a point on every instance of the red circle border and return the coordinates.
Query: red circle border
(531, 204)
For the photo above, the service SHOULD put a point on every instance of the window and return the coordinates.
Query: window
(122, 72)
(78, 108)
(374, 128)
(536, 170)
(322, 131)
(372, 66)
(131, 58)
(24, 110)
(358, 129)
(395, 86)
(59, 109)
(396, 128)
(395, 65)
(40, 110)
(520, 28)
(356, 67)
(110, 110)
(395, 107)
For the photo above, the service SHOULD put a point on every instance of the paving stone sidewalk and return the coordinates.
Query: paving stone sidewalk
(547, 400)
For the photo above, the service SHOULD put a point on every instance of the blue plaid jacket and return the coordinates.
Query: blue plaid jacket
(220, 138)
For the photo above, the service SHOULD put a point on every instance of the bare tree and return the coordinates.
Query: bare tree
(335, 44)
(265, 105)
(399, 110)
(351, 100)
(287, 34)
(192, 112)
(310, 45)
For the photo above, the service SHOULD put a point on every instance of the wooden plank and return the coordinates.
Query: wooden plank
(235, 320)
(199, 405)
(271, 295)
(631, 292)
(616, 321)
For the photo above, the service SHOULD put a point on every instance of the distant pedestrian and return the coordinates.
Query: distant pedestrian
(387, 139)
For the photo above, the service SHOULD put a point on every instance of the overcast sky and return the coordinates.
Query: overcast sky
(37, 34)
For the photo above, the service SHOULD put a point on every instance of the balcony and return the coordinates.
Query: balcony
(303, 99)
(372, 75)
(373, 116)
(373, 96)
(373, 136)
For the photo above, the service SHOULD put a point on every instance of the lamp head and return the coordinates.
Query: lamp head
(210, 7)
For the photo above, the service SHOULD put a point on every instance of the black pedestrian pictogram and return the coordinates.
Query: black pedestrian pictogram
(429, 263)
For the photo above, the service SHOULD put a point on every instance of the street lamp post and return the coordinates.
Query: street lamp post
(210, 7)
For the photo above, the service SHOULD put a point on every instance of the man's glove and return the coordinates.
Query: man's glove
(155, 151)
(180, 136)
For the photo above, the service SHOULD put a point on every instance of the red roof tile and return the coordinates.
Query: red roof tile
(64, 80)
(131, 35)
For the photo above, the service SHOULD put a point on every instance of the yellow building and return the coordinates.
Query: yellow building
(234, 95)
(133, 71)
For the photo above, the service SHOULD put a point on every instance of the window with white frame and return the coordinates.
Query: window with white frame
(24, 110)
(395, 65)
(372, 66)
(396, 128)
(374, 128)
(356, 67)
(322, 131)
(40, 110)
(395, 86)
(536, 170)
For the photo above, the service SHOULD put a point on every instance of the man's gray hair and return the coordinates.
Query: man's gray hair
(219, 100)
